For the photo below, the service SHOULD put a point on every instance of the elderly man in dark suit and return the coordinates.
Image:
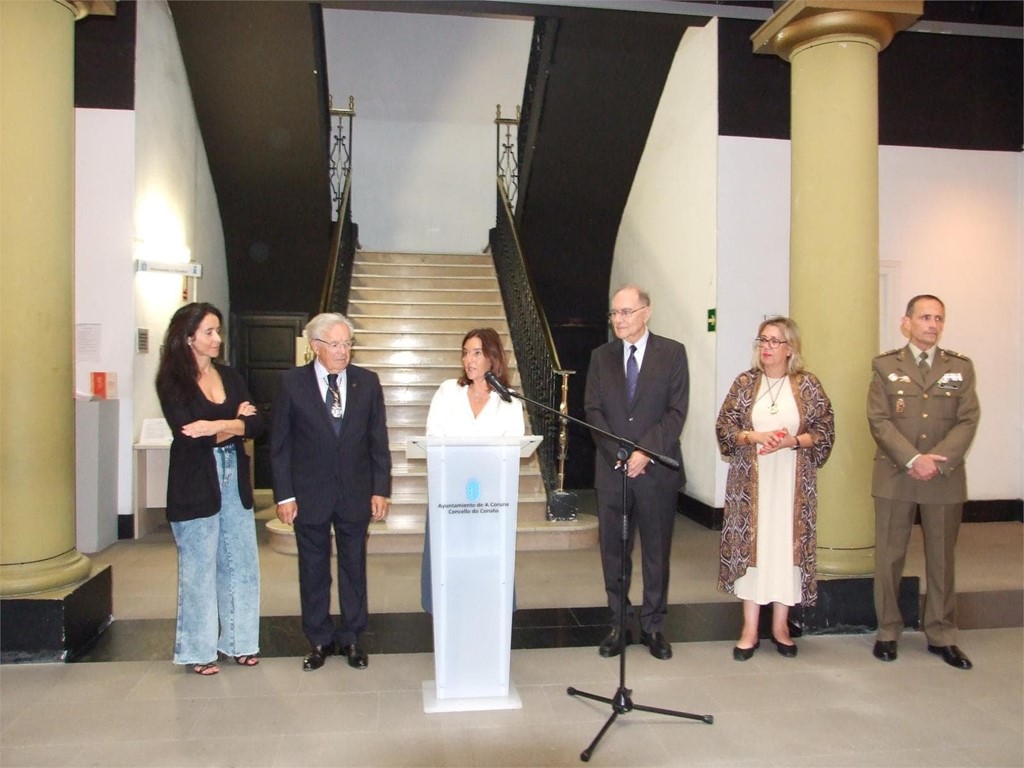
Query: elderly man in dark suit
(331, 469)
(923, 412)
(638, 388)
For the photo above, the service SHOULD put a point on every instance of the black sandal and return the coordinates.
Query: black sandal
(245, 660)
(206, 670)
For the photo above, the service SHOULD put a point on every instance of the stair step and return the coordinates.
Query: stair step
(470, 297)
(401, 376)
(481, 261)
(393, 324)
(474, 312)
(420, 339)
(388, 538)
(424, 277)
(372, 357)
(414, 483)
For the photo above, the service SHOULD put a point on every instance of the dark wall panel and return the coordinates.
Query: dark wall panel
(753, 90)
(105, 60)
(934, 90)
(951, 91)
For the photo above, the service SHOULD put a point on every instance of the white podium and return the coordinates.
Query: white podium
(473, 492)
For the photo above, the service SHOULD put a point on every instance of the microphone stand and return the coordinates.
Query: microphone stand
(622, 701)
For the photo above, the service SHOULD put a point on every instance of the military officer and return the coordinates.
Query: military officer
(923, 412)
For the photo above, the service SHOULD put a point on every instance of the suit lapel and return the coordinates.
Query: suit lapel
(351, 394)
(619, 379)
(910, 368)
(312, 389)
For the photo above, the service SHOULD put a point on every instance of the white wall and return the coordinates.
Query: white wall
(425, 90)
(104, 194)
(951, 221)
(753, 260)
(174, 200)
(143, 186)
(667, 238)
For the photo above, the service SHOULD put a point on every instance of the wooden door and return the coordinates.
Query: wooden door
(263, 346)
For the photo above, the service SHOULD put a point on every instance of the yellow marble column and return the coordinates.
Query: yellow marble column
(833, 49)
(37, 417)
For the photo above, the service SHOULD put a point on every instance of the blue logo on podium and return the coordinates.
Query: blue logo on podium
(472, 489)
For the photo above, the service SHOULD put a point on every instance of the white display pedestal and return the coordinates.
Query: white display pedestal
(95, 474)
(151, 464)
(473, 492)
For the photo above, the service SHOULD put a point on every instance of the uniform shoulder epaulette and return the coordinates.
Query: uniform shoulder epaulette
(890, 352)
(951, 353)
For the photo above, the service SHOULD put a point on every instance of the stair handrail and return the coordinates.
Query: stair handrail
(536, 355)
(344, 235)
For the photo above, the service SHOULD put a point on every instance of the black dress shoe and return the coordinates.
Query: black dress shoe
(357, 658)
(612, 645)
(656, 643)
(789, 651)
(744, 654)
(885, 650)
(317, 656)
(952, 656)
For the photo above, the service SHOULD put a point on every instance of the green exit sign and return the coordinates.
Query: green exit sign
(711, 321)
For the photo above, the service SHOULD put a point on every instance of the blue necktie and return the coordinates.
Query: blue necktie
(632, 373)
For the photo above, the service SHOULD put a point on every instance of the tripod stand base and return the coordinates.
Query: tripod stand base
(622, 703)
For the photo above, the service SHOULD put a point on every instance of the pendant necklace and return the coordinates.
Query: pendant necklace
(772, 395)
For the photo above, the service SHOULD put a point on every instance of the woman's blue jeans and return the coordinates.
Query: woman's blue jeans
(218, 576)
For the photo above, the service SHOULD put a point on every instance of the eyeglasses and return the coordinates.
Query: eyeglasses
(334, 346)
(760, 341)
(613, 313)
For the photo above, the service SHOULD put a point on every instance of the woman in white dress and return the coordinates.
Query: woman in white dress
(468, 407)
(776, 427)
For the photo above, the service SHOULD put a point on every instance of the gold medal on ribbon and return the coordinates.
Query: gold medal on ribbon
(901, 406)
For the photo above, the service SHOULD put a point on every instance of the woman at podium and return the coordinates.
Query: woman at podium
(468, 407)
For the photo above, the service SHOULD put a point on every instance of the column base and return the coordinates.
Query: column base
(846, 562)
(847, 606)
(58, 625)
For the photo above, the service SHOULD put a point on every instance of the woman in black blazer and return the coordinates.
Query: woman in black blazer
(209, 496)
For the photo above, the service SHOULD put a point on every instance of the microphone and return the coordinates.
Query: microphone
(497, 386)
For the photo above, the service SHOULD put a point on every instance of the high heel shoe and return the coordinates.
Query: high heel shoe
(743, 654)
(789, 651)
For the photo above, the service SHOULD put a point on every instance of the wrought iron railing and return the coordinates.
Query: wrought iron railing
(341, 152)
(508, 154)
(536, 355)
(344, 235)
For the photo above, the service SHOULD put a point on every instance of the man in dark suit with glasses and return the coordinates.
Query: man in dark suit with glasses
(638, 387)
(332, 470)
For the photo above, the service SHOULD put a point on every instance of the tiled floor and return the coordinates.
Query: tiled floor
(833, 705)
